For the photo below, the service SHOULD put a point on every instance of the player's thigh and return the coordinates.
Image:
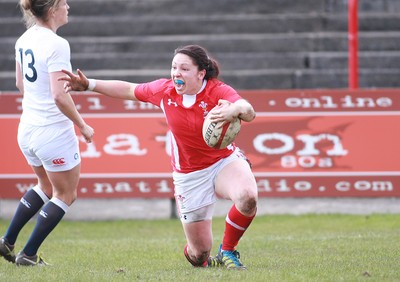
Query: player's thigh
(236, 181)
(65, 183)
(43, 180)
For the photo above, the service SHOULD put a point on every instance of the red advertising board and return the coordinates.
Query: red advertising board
(303, 143)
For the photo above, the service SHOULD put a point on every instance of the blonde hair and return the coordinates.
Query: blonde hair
(36, 9)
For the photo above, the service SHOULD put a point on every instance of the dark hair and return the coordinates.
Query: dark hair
(39, 9)
(201, 59)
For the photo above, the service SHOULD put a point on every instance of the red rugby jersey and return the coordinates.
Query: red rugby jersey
(189, 152)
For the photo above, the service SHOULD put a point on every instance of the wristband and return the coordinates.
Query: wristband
(92, 84)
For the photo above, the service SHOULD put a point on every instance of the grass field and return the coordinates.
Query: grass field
(275, 248)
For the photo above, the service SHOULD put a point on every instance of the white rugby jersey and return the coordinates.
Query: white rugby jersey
(40, 51)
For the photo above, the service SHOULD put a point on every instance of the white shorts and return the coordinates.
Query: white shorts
(195, 191)
(55, 147)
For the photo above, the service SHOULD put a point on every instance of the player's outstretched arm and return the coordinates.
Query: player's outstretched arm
(112, 88)
(75, 82)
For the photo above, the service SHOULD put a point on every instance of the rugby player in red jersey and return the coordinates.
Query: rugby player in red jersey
(200, 173)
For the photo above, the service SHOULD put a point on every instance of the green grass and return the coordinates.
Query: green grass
(275, 248)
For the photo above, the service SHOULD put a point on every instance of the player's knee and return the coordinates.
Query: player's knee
(67, 198)
(70, 198)
(201, 258)
(248, 204)
(197, 259)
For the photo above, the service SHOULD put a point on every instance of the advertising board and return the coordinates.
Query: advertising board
(303, 143)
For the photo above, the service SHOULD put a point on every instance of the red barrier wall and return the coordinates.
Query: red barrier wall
(303, 143)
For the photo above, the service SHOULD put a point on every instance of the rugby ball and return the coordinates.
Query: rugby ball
(219, 135)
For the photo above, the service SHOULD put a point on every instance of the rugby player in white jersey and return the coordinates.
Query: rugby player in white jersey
(46, 134)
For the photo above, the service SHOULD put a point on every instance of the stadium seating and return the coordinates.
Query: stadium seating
(260, 44)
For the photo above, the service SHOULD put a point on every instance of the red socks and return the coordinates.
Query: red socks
(235, 226)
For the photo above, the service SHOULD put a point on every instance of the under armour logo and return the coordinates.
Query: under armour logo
(170, 102)
(180, 198)
(60, 161)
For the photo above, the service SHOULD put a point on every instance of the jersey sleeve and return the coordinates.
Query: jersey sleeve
(152, 92)
(226, 92)
(60, 57)
(17, 53)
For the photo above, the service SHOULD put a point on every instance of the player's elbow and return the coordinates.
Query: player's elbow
(58, 99)
(252, 115)
(246, 110)
(248, 116)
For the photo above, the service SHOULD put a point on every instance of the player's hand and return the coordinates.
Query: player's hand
(87, 132)
(224, 111)
(74, 82)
